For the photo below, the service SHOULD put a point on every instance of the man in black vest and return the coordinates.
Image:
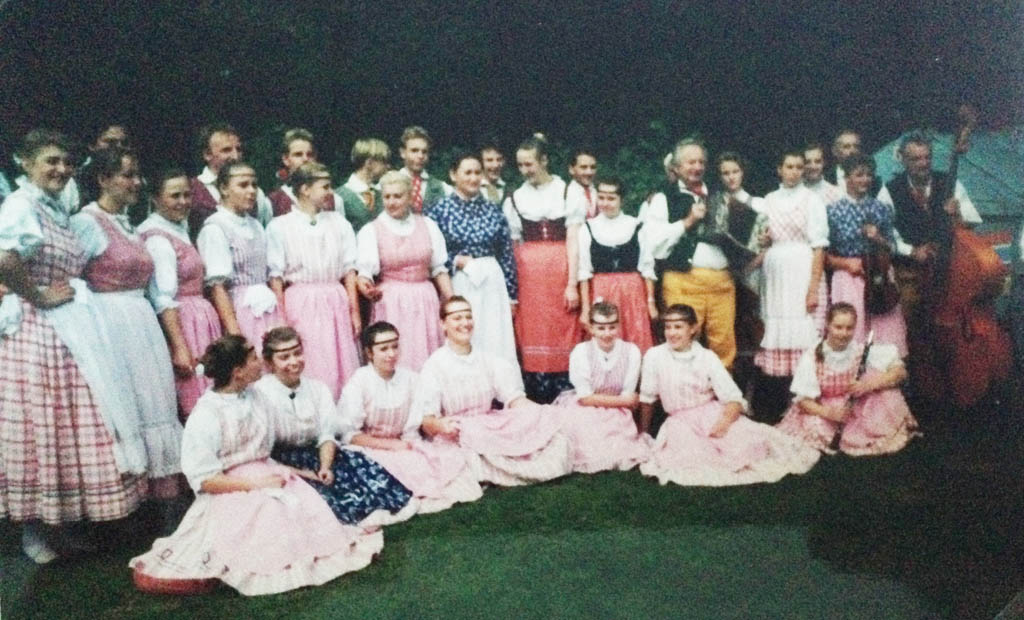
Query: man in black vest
(692, 267)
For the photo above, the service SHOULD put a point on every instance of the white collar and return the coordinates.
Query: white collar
(685, 356)
(423, 174)
(741, 195)
(356, 184)
(120, 219)
(207, 176)
(684, 189)
(55, 206)
(157, 221)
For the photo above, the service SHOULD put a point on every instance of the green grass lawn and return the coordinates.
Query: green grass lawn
(930, 532)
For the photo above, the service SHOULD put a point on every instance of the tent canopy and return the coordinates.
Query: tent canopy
(992, 171)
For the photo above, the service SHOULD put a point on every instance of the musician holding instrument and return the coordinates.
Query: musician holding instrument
(861, 242)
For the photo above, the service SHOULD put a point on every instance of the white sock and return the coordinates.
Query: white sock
(34, 545)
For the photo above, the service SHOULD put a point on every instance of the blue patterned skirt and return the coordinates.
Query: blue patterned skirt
(360, 486)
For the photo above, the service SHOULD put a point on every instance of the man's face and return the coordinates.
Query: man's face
(221, 149)
(814, 165)
(917, 159)
(690, 164)
(846, 144)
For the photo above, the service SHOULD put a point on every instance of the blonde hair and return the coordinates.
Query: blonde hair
(395, 177)
(308, 173)
(369, 148)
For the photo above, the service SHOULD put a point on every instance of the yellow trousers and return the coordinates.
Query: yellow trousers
(712, 294)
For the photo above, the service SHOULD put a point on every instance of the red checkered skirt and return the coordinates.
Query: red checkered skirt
(777, 362)
(56, 455)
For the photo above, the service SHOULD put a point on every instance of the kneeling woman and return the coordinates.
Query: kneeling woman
(706, 440)
(597, 414)
(376, 411)
(519, 444)
(255, 525)
(305, 423)
(848, 392)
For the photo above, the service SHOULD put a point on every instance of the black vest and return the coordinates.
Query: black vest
(679, 205)
(917, 226)
(615, 258)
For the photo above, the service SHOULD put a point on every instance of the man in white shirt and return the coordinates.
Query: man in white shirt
(415, 153)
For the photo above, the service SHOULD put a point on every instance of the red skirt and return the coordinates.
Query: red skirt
(629, 293)
(545, 331)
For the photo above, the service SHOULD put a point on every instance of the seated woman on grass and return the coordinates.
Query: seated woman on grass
(255, 524)
(846, 393)
(376, 412)
(597, 414)
(706, 440)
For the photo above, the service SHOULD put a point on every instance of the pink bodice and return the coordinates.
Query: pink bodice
(608, 380)
(243, 438)
(190, 264)
(385, 421)
(59, 258)
(404, 258)
(683, 386)
(466, 390)
(124, 265)
(835, 383)
(788, 223)
(248, 256)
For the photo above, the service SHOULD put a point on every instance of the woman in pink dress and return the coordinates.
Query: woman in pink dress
(312, 257)
(519, 444)
(69, 448)
(189, 320)
(868, 414)
(118, 273)
(255, 524)
(376, 409)
(233, 247)
(402, 270)
(597, 414)
(706, 440)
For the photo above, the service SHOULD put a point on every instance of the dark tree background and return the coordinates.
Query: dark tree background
(752, 76)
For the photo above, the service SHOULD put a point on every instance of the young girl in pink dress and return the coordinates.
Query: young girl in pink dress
(519, 444)
(118, 273)
(794, 295)
(255, 524)
(189, 320)
(597, 414)
(312, 257)
(233, 246)
(868, 413)
(706, 440)
(376, 409)
(402, 258)
(70, 448)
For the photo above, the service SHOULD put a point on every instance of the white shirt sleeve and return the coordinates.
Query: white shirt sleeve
(427, 397)
(163, 286)
(349, 249)
(19, 229)
(368, 257)
(89, 234)
(884, 356)
(199, 444)
(264, 209)
(661, 235)
(515, 225)
(885, 198)
(645, 262)
(508, 380)
(576, 211)
(438, 249)
(215, 251)
(817, 223)
(968, 212)
(805, 377)
(726, 390)
(276, 260)
(350, 407)
(585, 268)
(327, 416)
(649, 388)
(629, 384)
(579, 370)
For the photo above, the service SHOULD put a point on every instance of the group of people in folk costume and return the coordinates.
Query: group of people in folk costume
(466, 302)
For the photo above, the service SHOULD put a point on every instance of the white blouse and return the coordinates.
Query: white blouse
(20, 230)
(786, 199)
(201, 442)
(580, 371)
(504, 377)
(163, 286)
(214, 247)
(368, 259)
(366, 386)
(305, 415)
(696, 361)
(881, 357)
(576, 198)
(537, 203)
(612, 232)
(301, 248)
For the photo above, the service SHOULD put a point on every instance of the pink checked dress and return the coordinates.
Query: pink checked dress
(798, 224)
(516, 446)
(693, 387)
(410, 301)
(438, 474)
(602, 438)
(313, 255)
(878, 423)
(234, 252)
(178, 283)
(60, 459)
(119, 270)
(263, 541)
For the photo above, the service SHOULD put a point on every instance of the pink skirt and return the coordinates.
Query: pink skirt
(601, 438)
(320, 312)
(880, 423)
(413, 308)
(201, 326)
(253, 327)
(56, 455)
(439, 475)
(545, 331)
(629, 293)
(889, 328)
(748, 453)
(263, 541)
(516, 446)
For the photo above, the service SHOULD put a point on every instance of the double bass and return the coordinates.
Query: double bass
(970, 344)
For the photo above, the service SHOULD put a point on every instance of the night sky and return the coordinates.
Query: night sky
(753, 76)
